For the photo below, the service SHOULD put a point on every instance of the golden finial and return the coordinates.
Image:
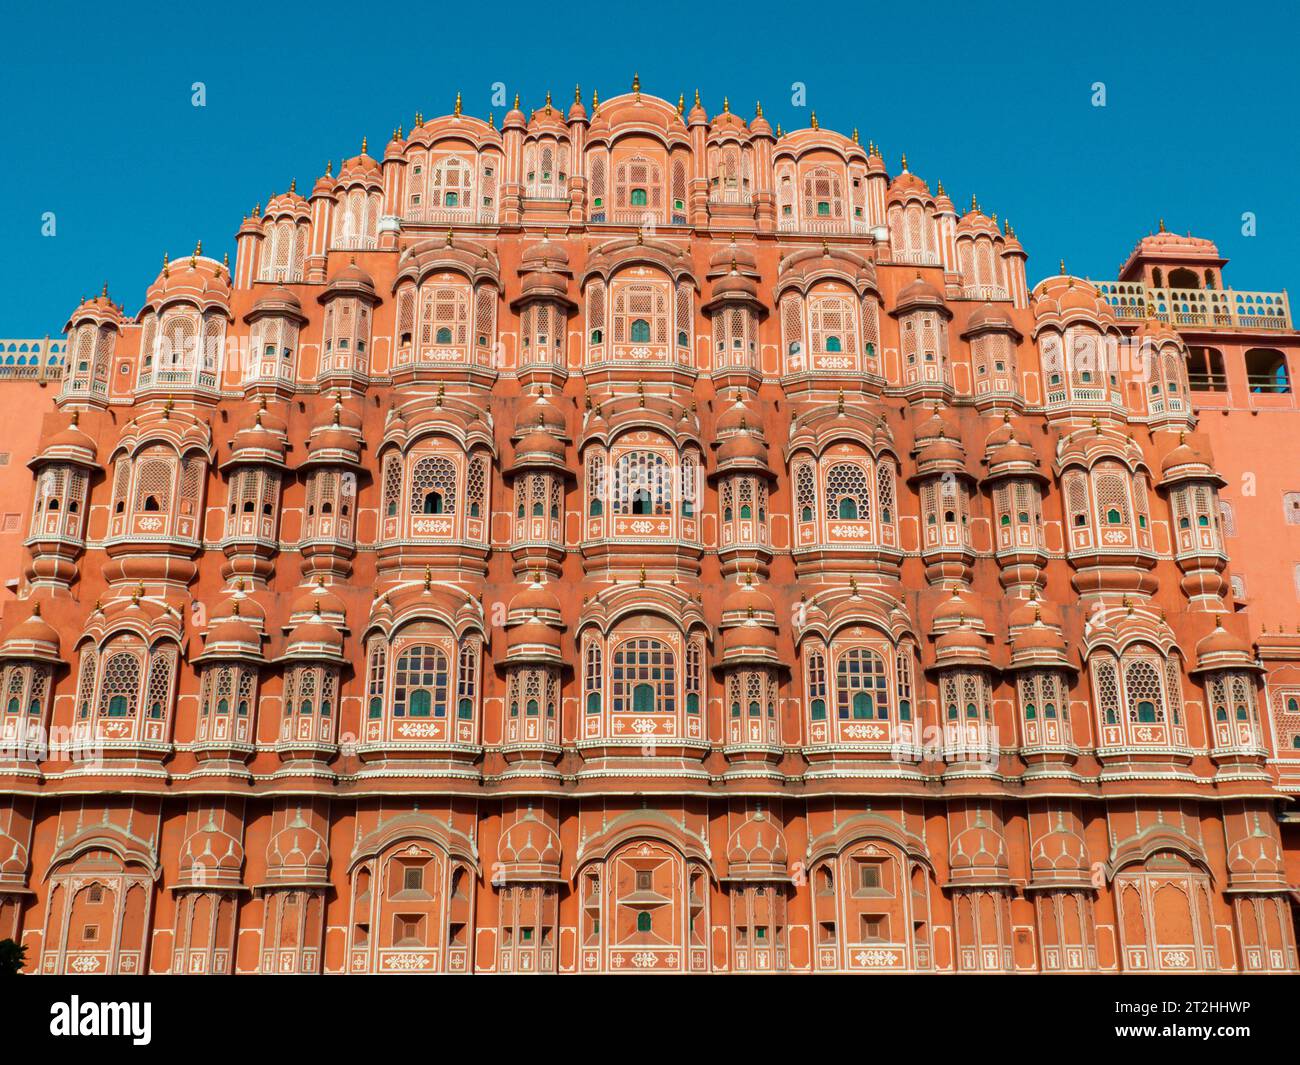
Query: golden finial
(516, 107)
(681, 104)
(104, 291)
(577, 94)
(139, 591)
(456, 111)
(697, 97)
(419, 120)
(595, 100)
(726, 105)
(974, 203)
(293, 184)
(641, 579)
(758, 108)
(640, 236)
(225, 260)
(364, 144)
(1010, 232)
(855, 135)
(1162, 225)
(449, 237)
(904, 162)
(640, 391)
(853, 586)
(940, 191)
(492, 120)
(1062, 267)
(428, 578)
(839, 402)
(815, 123)
(636, 83)
(438, 398)
(548, 101)
(779, 131)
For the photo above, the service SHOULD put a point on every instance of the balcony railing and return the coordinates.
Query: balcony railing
(824, 227)
(741, 197)
(32, 360)
(1190, 308)
(451, 216)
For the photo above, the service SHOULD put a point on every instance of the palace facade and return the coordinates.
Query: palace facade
(635, 540)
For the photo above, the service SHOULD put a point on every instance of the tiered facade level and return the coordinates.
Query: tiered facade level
(630, 540)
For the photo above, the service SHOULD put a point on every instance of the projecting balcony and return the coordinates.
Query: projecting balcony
(740, 197)
(451, 216)
(827, 227)
(1194, 308)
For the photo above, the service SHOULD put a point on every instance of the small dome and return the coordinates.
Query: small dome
(539, 445)
(315, 637)
(1221, 649)
(70, 442)
(750, 640)
(990, 318)
(535, 600)
(531, 842)
(351, 280)
(919, 293)
(745, 600)
(736, 417)
(742, 448)
(978, 853)
(540, 413)
(317, 600)
(961, 646)
(32, 637)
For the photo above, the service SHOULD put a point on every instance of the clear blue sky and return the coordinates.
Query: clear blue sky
(97, 125)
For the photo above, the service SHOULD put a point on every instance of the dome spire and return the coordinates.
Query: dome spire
(815, 123)
(636, 83)
(456, 112)
(365, 141)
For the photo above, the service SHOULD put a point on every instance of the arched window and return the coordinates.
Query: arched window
(644, 677)
(861, 685)
(420, 682)
(847, 494)
(433, 486)
(1266, 371)
(640, 331)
